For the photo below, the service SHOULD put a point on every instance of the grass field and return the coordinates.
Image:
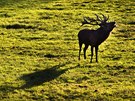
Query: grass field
(39, 51)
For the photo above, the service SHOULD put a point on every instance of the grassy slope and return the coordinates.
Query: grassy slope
(39, 51)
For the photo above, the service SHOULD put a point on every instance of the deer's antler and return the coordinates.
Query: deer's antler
(105, 18)
(97, 21)
(88, 20)
(98, 18)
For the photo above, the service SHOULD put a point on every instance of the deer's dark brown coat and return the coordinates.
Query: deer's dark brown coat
(94, 37)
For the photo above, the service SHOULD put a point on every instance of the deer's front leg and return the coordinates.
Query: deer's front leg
(96, 50)
(91, 53)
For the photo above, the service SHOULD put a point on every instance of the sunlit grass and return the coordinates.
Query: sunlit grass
(39, 51)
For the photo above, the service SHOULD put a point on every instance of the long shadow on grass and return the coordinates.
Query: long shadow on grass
(40, 77)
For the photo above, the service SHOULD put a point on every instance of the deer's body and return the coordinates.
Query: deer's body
(94, 38)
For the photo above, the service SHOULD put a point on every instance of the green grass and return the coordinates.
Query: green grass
(39, 51)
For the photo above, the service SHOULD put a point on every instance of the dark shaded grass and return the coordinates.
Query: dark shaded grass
(18, 26)
(26, 27)
(131, 22)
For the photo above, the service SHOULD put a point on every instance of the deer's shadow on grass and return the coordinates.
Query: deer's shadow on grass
(35, 79)
(40, 77)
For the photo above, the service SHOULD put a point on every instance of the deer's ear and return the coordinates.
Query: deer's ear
(101, 25)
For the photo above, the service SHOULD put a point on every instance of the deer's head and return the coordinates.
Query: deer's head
(101, 21)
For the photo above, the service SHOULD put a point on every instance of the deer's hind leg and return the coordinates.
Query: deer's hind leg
(80, 47)
(91, 54)
(96, 51)
(85, 48)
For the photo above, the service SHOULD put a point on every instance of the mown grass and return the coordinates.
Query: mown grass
(39, 51)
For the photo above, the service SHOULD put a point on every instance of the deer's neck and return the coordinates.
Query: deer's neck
(103, 35)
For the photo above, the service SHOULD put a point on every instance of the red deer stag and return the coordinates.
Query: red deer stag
(94, 37)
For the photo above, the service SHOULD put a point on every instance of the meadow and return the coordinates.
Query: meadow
(39, 51)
